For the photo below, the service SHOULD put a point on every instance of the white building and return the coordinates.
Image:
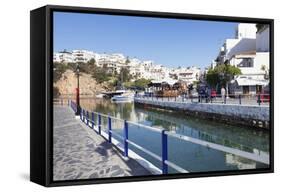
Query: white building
(63, 57)
(56, 57)
(147, 70)
(249, 51)
(83, 55)
(246, 30)
(251, 56)
(262, 49)
(245, 35)
(188, 74)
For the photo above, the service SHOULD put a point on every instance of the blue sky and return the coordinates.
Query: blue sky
(170, 42)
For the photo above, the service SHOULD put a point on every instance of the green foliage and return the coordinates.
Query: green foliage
(56, 92)
(92, 62)
(71, 66)
(128, 84)
(196, 83)
(264, 68)
(58, 70)
(139, 83)
(124, 75)
(260, 26)
(212, 77)
(100, 74)
(112, 83)
(127, 61)
(221, 74)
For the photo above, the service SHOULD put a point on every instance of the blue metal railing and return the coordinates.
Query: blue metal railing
(94, 121)
(73, 106)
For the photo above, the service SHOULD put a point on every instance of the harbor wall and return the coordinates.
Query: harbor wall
(248, 115)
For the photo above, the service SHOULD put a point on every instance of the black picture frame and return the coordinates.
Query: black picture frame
(41, 119)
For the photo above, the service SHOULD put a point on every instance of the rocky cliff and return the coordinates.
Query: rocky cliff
(88, 86)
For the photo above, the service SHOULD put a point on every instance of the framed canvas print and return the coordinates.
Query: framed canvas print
(121, 95)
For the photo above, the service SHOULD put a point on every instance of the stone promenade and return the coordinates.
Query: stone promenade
(80, 153)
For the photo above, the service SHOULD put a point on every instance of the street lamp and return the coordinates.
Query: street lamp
(77, 91)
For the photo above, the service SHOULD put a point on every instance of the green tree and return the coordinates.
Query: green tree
(222, 74)
(265, 69)
(141, 83)
(58, 70)
(100, 74)
(92, 61)
(72, 66)
(127, 61)
(260, 26)
(212, 78)
(56, 92)
(124, 75)
(128, 84)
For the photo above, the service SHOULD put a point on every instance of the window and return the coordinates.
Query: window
(246, 62)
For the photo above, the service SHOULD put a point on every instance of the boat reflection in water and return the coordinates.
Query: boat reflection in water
(192, 157)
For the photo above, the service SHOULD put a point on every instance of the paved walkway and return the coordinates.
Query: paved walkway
(80, 153)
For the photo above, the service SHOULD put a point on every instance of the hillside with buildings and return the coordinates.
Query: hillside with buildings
(138, 69)
(110, 71)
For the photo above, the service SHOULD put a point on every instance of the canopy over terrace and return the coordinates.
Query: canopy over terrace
(166, 83)
(248, 85)
(167, 87)
(244, 81)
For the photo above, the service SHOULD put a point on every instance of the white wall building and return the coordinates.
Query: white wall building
(262, 47)
(249, 51)
(56, 57)
(252, 57)
(63, 57)
(188, 75)
(83, 55)
(245, 35)
(246, 30)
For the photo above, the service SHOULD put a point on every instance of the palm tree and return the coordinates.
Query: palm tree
(265, 69)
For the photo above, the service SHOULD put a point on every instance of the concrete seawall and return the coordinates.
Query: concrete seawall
(249, 115)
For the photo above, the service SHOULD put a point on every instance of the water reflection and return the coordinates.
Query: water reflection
(190, 156)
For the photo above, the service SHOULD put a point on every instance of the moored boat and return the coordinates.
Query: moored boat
(125, 97)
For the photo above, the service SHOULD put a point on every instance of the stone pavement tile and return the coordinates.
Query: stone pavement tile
(80, 153)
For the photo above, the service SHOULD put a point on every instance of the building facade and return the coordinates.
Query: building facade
(249, 51)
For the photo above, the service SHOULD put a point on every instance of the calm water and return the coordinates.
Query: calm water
(192, 157)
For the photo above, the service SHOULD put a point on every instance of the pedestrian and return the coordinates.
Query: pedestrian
(207, 94)
(222, 92)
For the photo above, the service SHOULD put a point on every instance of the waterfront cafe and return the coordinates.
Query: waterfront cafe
(166, 87)
(244, 85)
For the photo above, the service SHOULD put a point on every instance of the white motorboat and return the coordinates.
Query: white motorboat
(124, 97)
